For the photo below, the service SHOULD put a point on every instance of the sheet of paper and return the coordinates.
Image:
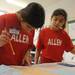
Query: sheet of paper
(7, 70)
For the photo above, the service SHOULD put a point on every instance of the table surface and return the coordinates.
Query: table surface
(42, 69)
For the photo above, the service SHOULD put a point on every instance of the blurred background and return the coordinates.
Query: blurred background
(49, 5)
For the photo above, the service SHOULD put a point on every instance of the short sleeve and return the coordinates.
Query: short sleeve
(68, 43)
(40, 40)
(31, 36)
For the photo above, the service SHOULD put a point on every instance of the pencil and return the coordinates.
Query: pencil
(10, 43)
(12, 48)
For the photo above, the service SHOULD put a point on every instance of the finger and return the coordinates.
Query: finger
(4, 38)
(5, 33)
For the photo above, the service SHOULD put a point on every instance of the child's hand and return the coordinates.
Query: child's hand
(4, 38)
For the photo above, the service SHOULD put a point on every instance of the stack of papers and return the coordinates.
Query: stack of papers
(69, 64)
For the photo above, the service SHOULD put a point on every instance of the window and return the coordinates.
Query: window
(72, 30)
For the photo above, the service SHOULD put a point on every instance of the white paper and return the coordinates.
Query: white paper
(7, 70)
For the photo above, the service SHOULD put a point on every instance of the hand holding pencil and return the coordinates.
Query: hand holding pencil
(5, 38)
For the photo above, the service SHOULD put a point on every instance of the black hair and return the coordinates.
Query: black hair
(33, 14)
(58, 12)
(62, 12)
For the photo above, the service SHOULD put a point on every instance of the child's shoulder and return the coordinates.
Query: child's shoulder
(45, 29)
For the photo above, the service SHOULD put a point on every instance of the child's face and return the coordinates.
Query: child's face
(58, 21)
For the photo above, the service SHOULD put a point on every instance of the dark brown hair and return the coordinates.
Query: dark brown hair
(62, 12)
(33, 14)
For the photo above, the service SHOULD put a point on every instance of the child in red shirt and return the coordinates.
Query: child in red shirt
(53, 41)
(16, 34)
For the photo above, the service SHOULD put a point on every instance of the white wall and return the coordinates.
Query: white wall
(68, 5)
(49, 5)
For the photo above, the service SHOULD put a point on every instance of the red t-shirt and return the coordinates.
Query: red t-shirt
(54, 43)
(21, 41)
